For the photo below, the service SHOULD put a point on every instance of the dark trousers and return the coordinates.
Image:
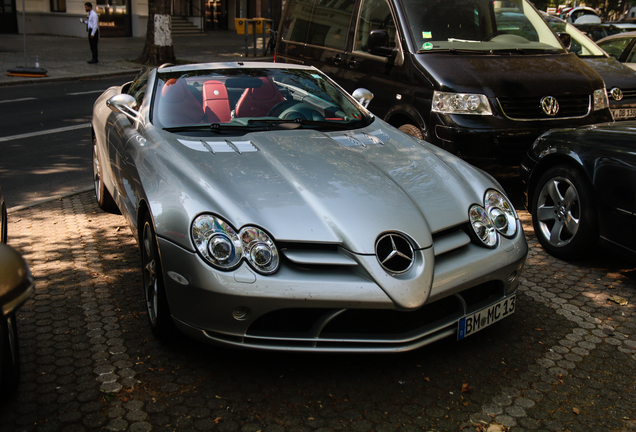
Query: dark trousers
(93, 43)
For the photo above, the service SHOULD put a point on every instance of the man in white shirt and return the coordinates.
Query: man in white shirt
(92, 27)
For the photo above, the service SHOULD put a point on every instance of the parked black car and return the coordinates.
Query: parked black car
(16, 285)
(620, 80)
(581, 189)
(479, 78)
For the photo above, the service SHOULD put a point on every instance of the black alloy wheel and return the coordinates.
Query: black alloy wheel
(564, 213)
(154, 289)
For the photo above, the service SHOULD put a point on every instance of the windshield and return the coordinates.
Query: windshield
(252, 98)
(582, 46)
(478, 25)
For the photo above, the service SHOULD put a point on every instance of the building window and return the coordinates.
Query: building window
(58, 5)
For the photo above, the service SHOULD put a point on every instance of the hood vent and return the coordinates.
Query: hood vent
(215, 147)
(361, 139)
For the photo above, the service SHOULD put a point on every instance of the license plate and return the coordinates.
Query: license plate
(623, 113)
(479, 320)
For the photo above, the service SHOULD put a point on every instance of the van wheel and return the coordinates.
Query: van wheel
(412, 130)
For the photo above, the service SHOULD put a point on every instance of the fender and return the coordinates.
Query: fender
(402, 110)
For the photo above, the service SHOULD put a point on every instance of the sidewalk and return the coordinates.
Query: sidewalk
(65, 57)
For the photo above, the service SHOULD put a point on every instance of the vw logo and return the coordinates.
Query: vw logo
(395, 253)
(549, 105)
(617, 94)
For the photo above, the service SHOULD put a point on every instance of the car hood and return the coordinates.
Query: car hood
(510, 75)
(613, 72)
(344, 188)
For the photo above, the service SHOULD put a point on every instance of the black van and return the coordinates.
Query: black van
(480, 78)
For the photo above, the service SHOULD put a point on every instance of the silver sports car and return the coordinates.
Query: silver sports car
(274, 211)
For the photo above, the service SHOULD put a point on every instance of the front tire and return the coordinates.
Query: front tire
(564, 213)
(412, 130)
(105, 200)
(10, 375)
(157, 306)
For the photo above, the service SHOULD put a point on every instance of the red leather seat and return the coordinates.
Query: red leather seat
(178, 105)
(258, 101)
(216, 104)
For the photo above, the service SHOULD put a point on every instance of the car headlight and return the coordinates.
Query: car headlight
(501, 212)
(482, 226)
(600, 100)
(223, 248)
(496, 216)
(460, 103)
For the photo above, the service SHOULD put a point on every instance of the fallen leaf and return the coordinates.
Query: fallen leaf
(576, 411)
(495, 428)
(466, 388)
(217, 420)
(619, 300)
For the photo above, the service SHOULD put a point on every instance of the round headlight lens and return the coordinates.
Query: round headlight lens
(259, 250)
(223, 248)
(482, 226)
(216, 241)
(501, 212)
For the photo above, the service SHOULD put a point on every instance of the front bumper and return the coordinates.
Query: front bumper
(495, 144)
(333, 309)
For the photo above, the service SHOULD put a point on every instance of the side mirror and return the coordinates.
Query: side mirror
(363, 96)
(123, 104)
(377, 43)
(566, 40)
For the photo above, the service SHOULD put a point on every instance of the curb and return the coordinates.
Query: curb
(53, 198)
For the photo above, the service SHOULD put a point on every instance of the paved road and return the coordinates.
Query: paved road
(563, 361)
(45, 143)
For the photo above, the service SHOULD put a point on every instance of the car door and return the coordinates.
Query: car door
(328, 36)
(294, 29)
(615, 183)
(123, 132)
(375, 58)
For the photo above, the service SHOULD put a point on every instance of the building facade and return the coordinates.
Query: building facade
(129, 17)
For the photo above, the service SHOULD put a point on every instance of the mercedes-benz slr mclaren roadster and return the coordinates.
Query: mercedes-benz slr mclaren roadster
(274, 211)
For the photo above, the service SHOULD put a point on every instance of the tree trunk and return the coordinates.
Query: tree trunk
(158, 48)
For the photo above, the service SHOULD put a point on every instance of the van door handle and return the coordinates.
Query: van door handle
(337, 59)
(352, 63)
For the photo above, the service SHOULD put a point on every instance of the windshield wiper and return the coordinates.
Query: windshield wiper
(216, 127)
(452, 51)
(510, 51)
(298, 122)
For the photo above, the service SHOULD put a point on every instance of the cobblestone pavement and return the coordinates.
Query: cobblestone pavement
(563, 362)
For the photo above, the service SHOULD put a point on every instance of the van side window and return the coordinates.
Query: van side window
(296, 27)
(325, 23)
(374, 15)
(330, 23)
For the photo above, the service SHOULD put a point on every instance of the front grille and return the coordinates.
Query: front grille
(629, 94)
(529, 108)
(368, 329)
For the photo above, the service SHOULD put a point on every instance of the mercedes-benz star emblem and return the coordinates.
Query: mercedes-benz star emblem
(395, 253)
(617, 94)
(549, 105)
